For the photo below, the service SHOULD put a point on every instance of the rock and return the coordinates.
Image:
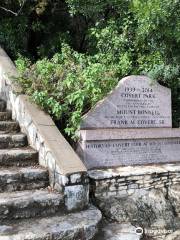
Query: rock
(174, 197)
(142, 208)
(173, 236)
(76, 197)
(115, 231)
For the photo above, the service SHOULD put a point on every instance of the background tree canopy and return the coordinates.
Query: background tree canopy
(71, 53)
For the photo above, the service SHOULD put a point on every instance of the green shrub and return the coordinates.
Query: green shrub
(169, 75)
(12, 37)
(67, 85)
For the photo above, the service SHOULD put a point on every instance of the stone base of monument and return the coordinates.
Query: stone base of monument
(145, 197)
(106, 148)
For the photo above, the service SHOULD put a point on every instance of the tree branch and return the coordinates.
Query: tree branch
(8, 10)
(14, 13)
(22, 5)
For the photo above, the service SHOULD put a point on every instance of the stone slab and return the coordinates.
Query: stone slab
(129, 171)
(76, 196)
(137, 102)
(113, 134)
(41, 117)
(113, 153)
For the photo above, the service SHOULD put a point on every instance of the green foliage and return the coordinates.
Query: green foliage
(67, 85)
(115, 37)
(35, 28)
(169, 75)
(89, 7)
(158, 29)
(23, 63)
(12, 35)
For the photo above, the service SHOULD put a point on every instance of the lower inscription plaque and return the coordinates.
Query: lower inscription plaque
(111, 153)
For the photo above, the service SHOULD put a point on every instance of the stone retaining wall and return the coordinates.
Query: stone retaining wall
(67, 173)
(142, 196)
(126, 180)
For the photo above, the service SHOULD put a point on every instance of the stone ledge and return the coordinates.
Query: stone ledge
(65, 157)
(140, 133)
(129, 171)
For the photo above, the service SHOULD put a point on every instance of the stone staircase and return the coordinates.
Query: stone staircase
(29, 208)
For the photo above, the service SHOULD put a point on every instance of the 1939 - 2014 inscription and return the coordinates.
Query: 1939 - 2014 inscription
(135, 103)
(138, 107)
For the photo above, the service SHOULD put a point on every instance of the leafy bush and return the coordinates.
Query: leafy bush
(67, 85)
(12, 36)
(169, 75)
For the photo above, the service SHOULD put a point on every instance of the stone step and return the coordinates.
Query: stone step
(5, 116)
(74, 226)
(18, 157)
(2, 105)
(18, 179)
(9, 126)
(12, 140)
(26, 204)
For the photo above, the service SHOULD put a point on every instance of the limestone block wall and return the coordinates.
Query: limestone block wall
(126, 180)
(67, 172)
